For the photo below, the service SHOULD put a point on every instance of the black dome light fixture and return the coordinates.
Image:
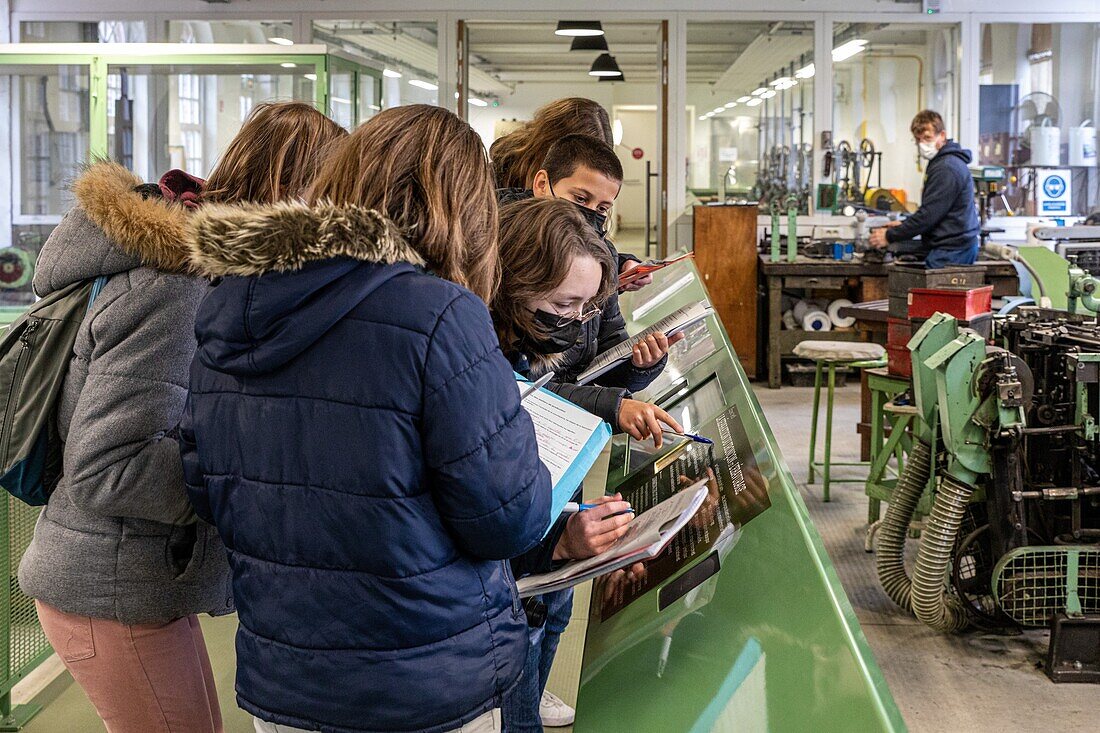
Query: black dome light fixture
(605, 65)
(579, 28)
(589, 43)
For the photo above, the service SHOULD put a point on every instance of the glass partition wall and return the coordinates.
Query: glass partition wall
(150, 107)
(883, 74)
(1039, 104)
(750, 111)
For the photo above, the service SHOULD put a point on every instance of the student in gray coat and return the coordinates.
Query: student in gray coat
(119, 565)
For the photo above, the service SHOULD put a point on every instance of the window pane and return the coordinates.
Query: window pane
(276, 32)
(883, 74)
(183, 117)
(47, 111)
(1038, 109)
(750, 111)
(104, 31)
(408, 50)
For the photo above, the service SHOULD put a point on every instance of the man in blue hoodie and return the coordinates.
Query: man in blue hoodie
(947, 220)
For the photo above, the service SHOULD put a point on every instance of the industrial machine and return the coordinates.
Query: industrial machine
(1009, 447)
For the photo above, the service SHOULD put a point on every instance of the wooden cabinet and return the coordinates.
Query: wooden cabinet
(725, 254)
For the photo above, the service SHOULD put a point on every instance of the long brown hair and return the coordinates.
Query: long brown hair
(539, 238)
(275, 155)
(426, 171)
(518, 156)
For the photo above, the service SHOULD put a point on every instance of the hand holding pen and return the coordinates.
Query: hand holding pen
(593, 530)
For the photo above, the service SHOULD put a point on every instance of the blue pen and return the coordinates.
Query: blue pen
(572, 507)
(692, 436)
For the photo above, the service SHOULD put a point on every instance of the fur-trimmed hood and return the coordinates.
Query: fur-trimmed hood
(114, 227)
(289, 273)
(250, 239)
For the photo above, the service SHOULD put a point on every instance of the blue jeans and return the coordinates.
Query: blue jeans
(945, 257)
(521, 705)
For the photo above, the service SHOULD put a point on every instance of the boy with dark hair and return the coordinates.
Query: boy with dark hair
(947, 220)
(585, 171)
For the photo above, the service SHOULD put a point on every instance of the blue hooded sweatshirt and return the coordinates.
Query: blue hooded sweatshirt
(355, 434)
(948, 216)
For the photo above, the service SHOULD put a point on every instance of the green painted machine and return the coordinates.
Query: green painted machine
(742, 623)
(1009, 433)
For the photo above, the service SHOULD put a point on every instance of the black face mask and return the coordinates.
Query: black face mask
(557, 338)
(594, 218)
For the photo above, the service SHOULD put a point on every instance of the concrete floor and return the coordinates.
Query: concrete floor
(973, 682)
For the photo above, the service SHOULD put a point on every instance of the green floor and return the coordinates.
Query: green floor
(71, 712)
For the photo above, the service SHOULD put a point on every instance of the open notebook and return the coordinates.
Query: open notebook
(569, 441)
(671, 324)
(645, 537)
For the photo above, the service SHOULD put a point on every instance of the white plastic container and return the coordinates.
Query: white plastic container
(1046, 145)
(1082, 145)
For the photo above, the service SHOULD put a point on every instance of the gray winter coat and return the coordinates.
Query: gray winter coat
(118, 539)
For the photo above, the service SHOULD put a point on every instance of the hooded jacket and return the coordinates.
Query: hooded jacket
(118, 539)
(355, 434)
(947, 216)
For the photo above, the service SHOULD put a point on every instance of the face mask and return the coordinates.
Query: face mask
(594, 218)
(554, 339)
(927, 150)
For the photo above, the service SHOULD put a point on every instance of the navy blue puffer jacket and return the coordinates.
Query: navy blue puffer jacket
(356, 436)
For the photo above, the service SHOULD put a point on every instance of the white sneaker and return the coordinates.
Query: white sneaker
(554, 712)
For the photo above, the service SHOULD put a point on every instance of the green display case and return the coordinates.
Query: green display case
(743, 625)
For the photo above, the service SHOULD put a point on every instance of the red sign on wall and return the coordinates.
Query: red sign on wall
(638, 153)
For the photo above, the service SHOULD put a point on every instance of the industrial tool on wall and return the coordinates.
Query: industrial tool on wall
(848, 172)
(1010, 450)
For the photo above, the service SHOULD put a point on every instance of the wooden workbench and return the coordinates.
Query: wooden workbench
(861, 281)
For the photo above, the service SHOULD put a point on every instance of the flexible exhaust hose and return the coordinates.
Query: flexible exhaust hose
(931, 604)
(890, 549)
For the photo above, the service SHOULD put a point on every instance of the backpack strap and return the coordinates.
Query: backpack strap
(97, 286)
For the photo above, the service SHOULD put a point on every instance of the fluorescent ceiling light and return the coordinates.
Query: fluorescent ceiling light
(719, 110)
(743, 99)
(390, 73)
(340, 100)
(781, 81)
(478, 102)
(579, 28)
(768, 94)
(806, 72)
(845, 51)
(786, 84)
(755, 102)
(311, 77)
(281, 41)
(730, 105)
(375, 107)
(423, 84)
(605, 65)
(758, 91)
(703, 117)
(289, 65)
(617, 132)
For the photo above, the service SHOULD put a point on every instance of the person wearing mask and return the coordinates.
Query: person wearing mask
(519, 155)
(356, 436)
(557, 272)
(119, 565)
(947, 220)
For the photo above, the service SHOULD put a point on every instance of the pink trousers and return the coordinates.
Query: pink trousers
(144, 678)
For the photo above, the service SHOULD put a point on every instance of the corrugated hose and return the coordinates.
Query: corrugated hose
(890, 549)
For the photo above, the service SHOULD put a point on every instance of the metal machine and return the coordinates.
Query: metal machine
(1010, 448)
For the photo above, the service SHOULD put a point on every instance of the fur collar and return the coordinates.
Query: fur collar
(150, 229)
(252, 239)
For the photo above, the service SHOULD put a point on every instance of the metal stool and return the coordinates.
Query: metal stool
(828, 355)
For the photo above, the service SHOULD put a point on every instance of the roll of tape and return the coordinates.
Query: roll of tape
(816, 321)
(801, 308)
(789, 321)
(834, 313)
